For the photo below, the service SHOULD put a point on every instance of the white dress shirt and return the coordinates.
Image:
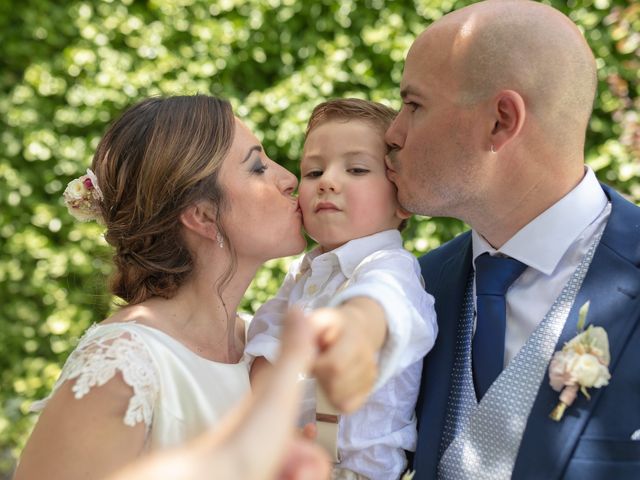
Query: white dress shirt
(551, 246)
(371, 440)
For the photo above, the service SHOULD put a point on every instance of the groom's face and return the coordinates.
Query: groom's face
(434, 137)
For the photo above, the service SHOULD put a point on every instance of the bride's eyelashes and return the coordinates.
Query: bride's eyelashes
(258, 167)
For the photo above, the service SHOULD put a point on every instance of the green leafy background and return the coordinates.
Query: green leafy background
(68, 68)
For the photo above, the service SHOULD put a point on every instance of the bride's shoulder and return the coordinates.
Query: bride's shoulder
(132, 314)
(106, 350)
(112, 345)
(128, 322)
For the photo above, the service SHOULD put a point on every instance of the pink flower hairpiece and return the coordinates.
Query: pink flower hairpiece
(82, 198)
(582, 363)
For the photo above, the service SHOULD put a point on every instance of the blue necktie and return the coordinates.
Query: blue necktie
(494, 275)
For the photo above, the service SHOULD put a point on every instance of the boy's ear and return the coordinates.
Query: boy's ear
(200, 218)
(402, 213)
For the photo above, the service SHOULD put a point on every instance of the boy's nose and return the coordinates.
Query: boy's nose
(327, 183)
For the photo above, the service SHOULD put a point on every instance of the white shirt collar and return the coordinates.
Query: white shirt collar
(543, 241)
(351, 254)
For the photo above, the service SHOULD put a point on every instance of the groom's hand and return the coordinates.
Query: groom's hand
(349, 338)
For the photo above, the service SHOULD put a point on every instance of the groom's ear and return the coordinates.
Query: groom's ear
(509, 113)
(200, 218)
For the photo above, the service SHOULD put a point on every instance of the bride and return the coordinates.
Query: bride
(192, 207)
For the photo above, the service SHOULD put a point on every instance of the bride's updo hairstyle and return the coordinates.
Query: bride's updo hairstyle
(161, 156)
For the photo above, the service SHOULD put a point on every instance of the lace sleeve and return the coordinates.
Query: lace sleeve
(96, 360)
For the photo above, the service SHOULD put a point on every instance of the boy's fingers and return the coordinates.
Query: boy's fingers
(346, 379)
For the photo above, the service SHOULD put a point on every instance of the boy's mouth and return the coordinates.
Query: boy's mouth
(326, 206)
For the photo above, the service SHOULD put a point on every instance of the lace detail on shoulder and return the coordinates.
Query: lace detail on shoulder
(96, 360)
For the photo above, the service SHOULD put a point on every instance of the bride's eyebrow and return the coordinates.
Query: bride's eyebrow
(255, 148)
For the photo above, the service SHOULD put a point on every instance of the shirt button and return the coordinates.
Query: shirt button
(312, 289)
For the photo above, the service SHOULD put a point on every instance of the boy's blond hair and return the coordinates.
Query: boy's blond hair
(376, 114)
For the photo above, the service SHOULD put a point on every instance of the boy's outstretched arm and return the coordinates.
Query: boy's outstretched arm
(381, 323)
(349, 338)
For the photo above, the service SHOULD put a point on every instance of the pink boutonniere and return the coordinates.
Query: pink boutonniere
(582, 363)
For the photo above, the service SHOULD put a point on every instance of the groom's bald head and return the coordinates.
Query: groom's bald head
(516, 45)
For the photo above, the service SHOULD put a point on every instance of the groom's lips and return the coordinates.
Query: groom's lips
(391, 174)
(387, 163)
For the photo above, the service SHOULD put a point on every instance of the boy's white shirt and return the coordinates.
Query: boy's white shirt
(371, 440)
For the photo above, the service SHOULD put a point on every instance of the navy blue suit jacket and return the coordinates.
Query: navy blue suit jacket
(593, 440)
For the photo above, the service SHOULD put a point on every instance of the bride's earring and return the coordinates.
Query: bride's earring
(493, 149)
(219, 239)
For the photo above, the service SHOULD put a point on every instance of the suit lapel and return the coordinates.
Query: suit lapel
(612, 285)
(449, 289)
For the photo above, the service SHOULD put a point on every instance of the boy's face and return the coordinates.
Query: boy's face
(344, 192)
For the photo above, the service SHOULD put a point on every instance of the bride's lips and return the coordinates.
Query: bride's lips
(295, 207)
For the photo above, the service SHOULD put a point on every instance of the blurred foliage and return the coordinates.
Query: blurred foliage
(67, 69)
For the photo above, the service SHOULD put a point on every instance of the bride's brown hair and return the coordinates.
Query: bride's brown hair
(159, 157)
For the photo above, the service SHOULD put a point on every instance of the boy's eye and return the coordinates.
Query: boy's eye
(358, 171)
(313, 174)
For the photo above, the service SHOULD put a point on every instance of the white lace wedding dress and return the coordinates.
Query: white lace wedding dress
(176, 393)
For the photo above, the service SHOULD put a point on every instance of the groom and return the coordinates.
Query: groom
(497, 98)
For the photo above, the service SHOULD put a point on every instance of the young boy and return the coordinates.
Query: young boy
(350, 208)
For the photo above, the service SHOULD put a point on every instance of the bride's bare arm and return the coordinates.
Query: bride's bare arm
(82, 438)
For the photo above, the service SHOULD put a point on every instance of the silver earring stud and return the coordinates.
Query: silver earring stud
(493, 149)
(219, 239)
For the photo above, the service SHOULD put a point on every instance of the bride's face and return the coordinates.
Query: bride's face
(262, 220)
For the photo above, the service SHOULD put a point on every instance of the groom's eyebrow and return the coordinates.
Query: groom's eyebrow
(405, 92)
(255, 148)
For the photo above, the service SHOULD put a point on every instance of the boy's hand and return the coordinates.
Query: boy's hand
(349, 338)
